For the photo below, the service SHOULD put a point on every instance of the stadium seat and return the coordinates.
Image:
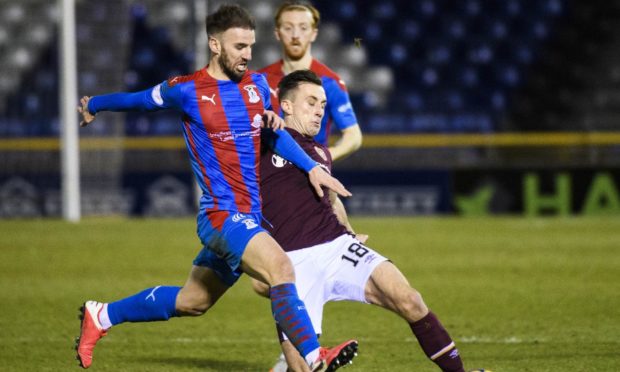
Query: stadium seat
(466, 58)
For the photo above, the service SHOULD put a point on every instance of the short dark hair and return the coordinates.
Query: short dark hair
(298, 5)
(229, 16)
(290, 82)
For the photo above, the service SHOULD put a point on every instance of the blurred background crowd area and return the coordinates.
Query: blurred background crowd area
(438, 66)
(468, 105)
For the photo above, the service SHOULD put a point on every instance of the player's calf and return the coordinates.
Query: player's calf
(260, 288)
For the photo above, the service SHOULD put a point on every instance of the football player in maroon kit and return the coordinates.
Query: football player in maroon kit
(331, 262)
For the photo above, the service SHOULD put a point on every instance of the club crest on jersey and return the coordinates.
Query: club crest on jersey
(320, 152)
(278, 161)
(249, 223)
(252, 94)
(257, 121)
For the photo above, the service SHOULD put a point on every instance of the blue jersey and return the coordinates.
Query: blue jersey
(338, 110)
(222, 123)
(221, 126)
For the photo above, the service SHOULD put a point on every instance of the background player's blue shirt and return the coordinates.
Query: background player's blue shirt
(338, 110)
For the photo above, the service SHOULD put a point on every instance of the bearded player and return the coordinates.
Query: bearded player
(223, 106)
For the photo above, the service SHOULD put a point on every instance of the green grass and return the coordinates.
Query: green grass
(516, 294)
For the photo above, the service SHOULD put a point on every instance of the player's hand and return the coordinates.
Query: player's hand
(272, 120)
(319, 177)
(361, 238)
(87, 117)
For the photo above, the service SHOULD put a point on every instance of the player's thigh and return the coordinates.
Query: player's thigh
(351, 264)
(201, 291)
(264, 259)
(387, 287)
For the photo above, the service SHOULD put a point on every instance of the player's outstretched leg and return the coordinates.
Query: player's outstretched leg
(152, 304)
(387, 287)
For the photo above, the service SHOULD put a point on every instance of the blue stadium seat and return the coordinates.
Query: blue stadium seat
(453, 27)
(409, 29)
(480, 52)
(455, 64)
(439, 53)
(347, 10)
(398, 53)
(384, 10)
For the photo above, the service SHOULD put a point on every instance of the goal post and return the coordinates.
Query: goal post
(70, 154)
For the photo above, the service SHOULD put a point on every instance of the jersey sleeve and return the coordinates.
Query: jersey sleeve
(282, 143)
(339, 105)
(159, 97)
(263, 89)
(168, 96)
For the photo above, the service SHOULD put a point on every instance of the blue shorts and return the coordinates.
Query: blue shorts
(224, 235)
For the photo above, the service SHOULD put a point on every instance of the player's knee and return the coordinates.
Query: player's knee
(411, 305)
(260, 288)
(192, 305)
(282, 272)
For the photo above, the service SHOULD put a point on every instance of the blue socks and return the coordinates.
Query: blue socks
(152, 304)
(159, 303)
(291, 316)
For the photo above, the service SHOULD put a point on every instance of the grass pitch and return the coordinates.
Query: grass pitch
(516, 295)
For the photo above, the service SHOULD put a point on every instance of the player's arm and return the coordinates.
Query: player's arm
(283, 144)
(272, 120)
(156, 98)
(349, 142)
(341, 213)
(340, 110)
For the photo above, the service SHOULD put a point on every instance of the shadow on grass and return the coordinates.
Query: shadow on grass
(205, 364)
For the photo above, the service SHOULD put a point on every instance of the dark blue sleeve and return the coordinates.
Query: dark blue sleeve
(283, 144)
(157, 98)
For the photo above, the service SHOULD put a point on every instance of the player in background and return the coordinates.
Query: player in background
(331, 263)
(224, 106)
(296, 29)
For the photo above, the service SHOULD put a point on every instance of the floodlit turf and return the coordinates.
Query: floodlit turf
(516, 294)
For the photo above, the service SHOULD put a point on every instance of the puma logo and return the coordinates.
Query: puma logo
(152, 294)
(210, 99)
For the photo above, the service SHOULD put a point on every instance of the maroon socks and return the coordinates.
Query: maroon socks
(437, 344)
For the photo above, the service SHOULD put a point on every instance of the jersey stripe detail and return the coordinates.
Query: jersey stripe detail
(211, 141)
(217, 219)
(229, 160)
(203, 179)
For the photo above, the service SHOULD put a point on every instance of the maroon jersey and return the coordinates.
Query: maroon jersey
(295, 216)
